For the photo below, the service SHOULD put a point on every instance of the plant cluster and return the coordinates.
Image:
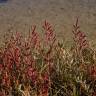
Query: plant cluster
(34, 67)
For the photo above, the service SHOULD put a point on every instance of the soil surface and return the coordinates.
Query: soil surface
(19, 15)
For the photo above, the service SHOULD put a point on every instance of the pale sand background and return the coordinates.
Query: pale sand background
(21, 14)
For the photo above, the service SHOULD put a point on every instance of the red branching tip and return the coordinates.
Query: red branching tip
(79, 37)
(34, 28)
(50, 36)
(77, 22)
(34, 38)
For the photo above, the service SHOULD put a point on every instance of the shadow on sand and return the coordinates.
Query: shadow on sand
(3, 1)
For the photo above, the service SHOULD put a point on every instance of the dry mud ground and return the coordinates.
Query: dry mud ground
(21, 14)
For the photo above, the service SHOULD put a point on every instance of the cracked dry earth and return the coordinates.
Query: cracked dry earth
(21, 14)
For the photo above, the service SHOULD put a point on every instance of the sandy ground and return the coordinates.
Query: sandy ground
(21, 14)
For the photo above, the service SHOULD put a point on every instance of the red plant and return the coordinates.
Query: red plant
(79, 37)
(8, 58)
(92, 71)
(17, 58)
(12, 56)
(6, 79)
(18, 63)
(50, 36)
(34, 38)
(18, 38)
(1, 67)
(46, 84)
(50, 39)
(32, 74)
